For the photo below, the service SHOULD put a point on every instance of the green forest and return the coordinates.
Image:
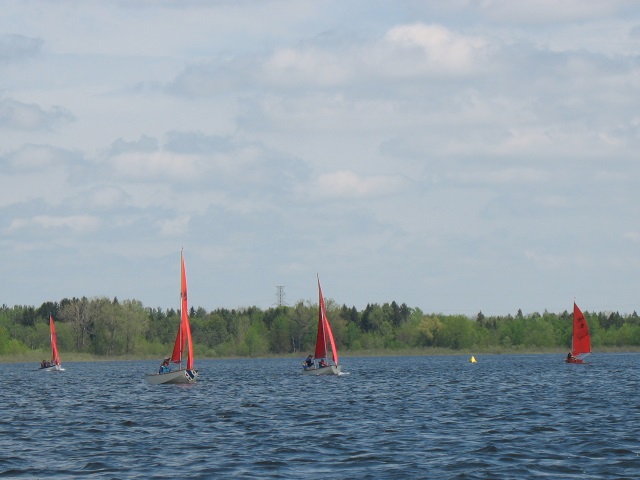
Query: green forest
(103, 327)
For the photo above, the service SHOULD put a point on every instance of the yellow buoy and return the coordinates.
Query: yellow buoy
(473, 359)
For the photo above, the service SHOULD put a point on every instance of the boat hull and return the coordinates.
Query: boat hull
(575, 360)
(330, 370)
(52, 368)
(179, 376)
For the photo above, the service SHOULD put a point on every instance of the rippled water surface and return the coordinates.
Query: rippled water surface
(508, 416)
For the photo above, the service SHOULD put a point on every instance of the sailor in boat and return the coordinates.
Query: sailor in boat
(572, 359)
(165, 368)
(308, 363)
(323, 363)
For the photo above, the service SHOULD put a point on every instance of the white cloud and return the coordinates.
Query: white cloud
(83, 224)
(155, 166)
(174, 227)
(294, 67)
(347, 184)
(512, 175)
(545, 11)
(633, 236)
(22, 116)
(443, 51)
(440, 138)
(107, 196)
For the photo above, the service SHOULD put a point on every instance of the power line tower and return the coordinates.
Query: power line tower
(280, 295)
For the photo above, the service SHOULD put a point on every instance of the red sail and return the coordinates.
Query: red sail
(184, 330)
(581, 339)
(184, 314)
(176, 356)
(321, 340)
(334, 352)
(55, 356)
(324, 330)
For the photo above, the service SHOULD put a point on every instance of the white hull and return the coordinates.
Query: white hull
(54, 368)
(330, 370)
(179, 376)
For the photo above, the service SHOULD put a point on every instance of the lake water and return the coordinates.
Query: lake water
(506, 417)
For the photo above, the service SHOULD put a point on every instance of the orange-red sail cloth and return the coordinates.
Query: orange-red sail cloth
(581, 342)
(184, 330)
(324, 331)
(55, 356)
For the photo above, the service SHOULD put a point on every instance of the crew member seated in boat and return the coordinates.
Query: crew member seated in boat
(308, 363)
(323, 363)
(44, 364)
(572, 359)
(164, 368)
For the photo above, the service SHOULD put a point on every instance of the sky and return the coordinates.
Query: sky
(458, 156)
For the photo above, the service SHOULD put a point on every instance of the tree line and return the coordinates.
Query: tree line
(104, 327)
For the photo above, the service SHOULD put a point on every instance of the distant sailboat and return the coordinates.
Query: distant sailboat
(580, 340)
(54, 365)
(183, 340)
(319, 366)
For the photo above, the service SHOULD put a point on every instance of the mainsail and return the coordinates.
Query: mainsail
(55, 356)
(581, 342)
(184, 329)
(324, 331)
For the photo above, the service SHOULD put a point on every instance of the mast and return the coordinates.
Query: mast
(183, 303)
(321, 339)
(323, 316)
(178, 347)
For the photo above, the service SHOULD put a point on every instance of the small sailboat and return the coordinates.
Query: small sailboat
(473, 359)
(581, 340)
(183, 341)
(319, 366)
(54, 365)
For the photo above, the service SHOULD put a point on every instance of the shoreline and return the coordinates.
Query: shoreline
(37, 357)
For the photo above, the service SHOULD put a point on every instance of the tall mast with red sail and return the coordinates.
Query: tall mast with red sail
(55, 356)
(581, 340)
(184, 313)
(183, 336)
(324, 339)
(183, 344)
(324, 330)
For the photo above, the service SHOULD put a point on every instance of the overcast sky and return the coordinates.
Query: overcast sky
(457, 156)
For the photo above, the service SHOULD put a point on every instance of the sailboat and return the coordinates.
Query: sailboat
(183, 342)
(319, 366)
(54, 365)
(581, 340)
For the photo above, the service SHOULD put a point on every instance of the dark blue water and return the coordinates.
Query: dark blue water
(506, 417)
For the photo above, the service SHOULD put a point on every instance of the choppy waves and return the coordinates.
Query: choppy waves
(506, 417)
